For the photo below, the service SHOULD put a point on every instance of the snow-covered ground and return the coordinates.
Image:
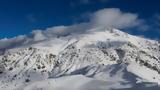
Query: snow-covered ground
(101, 59)
(113, 77)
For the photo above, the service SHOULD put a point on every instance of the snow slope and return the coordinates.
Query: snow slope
(100, 59)
(111, 77)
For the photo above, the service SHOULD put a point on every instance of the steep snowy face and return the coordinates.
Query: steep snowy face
(111, 47)
(97, 53)
(24, 65)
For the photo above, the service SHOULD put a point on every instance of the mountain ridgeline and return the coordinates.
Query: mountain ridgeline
(103, 55)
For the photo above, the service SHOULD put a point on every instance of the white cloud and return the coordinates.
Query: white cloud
(65, 30)
(112, 17)
(115, 18)
(38, 35)
(9, 43)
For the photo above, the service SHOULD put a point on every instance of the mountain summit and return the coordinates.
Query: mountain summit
(99, 59)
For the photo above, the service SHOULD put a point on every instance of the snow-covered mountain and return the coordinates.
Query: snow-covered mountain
(100, 59)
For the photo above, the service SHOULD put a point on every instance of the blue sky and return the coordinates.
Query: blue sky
(22, 16)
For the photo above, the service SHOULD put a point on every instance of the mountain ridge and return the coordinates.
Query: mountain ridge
(89, 54)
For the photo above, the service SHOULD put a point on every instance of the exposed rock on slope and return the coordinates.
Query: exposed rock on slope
(99, 55)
